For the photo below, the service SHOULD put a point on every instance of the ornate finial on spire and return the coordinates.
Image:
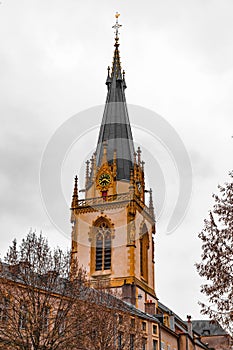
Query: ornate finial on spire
(116, 26)
(116, 64)
(75, 194)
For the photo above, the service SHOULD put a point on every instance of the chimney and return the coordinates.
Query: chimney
(129, 293)
(190, 327)
(150, 307)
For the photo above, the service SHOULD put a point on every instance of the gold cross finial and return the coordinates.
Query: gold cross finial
(117, 25)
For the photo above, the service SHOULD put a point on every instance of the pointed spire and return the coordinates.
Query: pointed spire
(139, 155)
(115, 127)
(143, 163)
(75, 194)
(151, 205)
(116, 64)
(94, 165)
(131, 186)
(124, 83)
(135, 158)
(104, 160)
(87, 172)
(108, 80)
(151, 200)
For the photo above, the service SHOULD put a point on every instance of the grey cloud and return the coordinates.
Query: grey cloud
(20, 159)
(203, 167)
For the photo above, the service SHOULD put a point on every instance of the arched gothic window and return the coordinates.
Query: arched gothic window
(103, 247)
(144, 246)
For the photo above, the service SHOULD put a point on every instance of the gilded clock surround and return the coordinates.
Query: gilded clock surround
(104, 178)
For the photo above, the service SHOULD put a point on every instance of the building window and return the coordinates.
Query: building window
(143, 326)
(162, 345)
(155, 344)
(144, 341)
(4, 309)
(166, 320)
(144, 246)
(103, 247)
(120, 319)
(45, 319)
(23, 316)
(154, 329)
(132, 323)
(61, 321)
(132, 341)
(120, 340)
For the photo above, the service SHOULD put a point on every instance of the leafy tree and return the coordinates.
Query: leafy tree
(40, 298)
(217, 258)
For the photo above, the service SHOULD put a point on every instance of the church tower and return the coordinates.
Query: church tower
(112, 227)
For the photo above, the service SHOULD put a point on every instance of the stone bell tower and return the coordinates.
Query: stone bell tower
(113, 228)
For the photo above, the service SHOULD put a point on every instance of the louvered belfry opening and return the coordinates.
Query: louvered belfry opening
(103, 247)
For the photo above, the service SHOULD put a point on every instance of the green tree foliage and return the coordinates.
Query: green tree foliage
(217, 258)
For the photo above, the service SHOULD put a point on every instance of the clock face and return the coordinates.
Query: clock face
(104, 179)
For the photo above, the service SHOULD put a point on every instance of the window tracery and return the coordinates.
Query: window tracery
(103, 247)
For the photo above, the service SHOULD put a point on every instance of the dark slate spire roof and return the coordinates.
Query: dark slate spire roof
(115, 127)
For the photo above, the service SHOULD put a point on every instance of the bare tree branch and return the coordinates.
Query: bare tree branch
(217, 258)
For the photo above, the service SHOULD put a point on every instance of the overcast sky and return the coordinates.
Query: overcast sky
(178, 57)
